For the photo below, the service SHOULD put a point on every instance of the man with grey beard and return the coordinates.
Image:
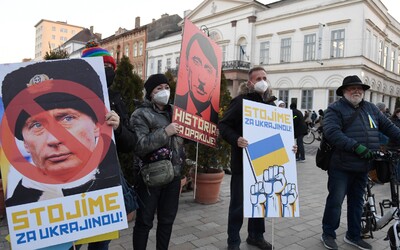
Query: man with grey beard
(352, 158)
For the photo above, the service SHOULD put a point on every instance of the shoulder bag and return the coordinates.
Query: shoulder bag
(157, 169)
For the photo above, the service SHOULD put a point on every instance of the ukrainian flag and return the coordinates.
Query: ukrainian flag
(267, 152)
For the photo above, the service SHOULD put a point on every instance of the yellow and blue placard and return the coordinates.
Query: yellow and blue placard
(269, 163)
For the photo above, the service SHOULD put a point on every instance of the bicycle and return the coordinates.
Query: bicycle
(386, 171)
(310, 137)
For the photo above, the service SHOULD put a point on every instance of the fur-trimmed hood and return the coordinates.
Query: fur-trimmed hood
(244, 89)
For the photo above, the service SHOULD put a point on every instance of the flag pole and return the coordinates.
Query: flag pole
(251, 165)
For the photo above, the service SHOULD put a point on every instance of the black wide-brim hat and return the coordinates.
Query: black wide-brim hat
(351, 81)
(38, 75)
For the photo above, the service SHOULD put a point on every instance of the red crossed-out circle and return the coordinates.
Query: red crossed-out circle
(24, 101)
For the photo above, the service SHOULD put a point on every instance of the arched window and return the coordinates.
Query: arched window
(135, 50)
(141, 48)
(126, 53)
(242, 47)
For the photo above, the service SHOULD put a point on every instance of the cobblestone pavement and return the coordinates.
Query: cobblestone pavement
(204, 226)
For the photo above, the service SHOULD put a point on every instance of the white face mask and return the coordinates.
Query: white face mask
(261, 86)
(161, 97)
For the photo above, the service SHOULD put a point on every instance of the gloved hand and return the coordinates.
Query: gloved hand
(363, 152)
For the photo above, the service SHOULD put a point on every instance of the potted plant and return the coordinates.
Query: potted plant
(211, 162)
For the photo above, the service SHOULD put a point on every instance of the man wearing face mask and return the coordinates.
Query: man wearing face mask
(155, 132)
(231, 127)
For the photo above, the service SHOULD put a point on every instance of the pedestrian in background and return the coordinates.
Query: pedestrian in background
(300, 129)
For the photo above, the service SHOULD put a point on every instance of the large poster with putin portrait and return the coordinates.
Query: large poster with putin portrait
(196, 102)
(269, 165)
(58, 159)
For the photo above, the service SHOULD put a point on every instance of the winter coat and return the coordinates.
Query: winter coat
(231, 125)
(392, 143)
(300, 126)
(124, 137)
(364, 130)
(148, 123)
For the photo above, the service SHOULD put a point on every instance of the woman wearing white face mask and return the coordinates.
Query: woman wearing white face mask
(155, 133)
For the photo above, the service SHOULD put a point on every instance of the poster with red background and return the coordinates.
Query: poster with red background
(197, 94)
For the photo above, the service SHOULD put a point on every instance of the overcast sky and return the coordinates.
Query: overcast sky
(18, 18)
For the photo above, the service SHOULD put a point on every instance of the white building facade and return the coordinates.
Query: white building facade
(306, 46)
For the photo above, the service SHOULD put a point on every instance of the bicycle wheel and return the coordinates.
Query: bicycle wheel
(392, 237)
(309, 138)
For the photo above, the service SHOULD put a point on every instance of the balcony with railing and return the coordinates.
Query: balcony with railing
(229, 65)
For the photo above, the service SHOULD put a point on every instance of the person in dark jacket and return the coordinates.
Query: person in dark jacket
(300, 129)
(395, 118)
(351, 158)
(124, 137)
(154, 130)
(230, 127)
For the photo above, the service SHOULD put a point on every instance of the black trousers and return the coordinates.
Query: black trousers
(255, 227)
(164, 200)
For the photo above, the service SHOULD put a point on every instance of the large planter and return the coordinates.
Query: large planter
(207, 187)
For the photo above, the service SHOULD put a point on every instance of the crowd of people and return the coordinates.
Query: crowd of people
(150, 128)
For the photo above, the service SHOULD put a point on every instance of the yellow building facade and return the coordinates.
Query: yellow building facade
(51, 34)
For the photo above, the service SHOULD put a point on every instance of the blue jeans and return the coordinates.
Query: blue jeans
(340, 184)
(164, 200)
(255, 227)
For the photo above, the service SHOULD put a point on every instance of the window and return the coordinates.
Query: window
(337, 43)
(135, 50)
(380, 53)
(141, 48)
(374, 46)
(53, 37)
(398, 64)
(159, 65)
(140, 70)
(264, 52)
(168, 63)
(224, 53)
(242, 52)
(385, 57)
(368, 44)
(392, 60)
(284, 96)
(53, 28)
(306, 99)
(286, 44)
(332, 97)
(127, 50)
(309, 47)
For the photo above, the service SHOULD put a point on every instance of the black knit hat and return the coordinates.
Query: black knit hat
(152, 82)
(77, 71)
(351, 81)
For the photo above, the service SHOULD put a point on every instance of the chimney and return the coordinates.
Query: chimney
(98, 35)
(137, 22)
(186, 13)
(164, 15)
(91, 29)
